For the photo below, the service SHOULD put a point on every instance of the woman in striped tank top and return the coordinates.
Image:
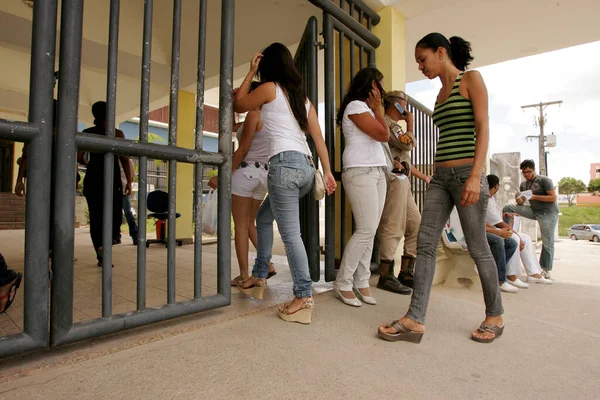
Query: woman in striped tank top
(461, 114)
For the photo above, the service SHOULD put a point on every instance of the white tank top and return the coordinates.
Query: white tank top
(259, 148)
(281, 126)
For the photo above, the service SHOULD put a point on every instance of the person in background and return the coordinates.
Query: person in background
(9, 284)
(364, 177)
(461, 114)
(248, 186)
(401, 217)
(131, 222)
(93, 183)
(526, 248)
(543, 209)
(502, 248)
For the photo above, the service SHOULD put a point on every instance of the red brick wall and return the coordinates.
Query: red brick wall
(211, 117)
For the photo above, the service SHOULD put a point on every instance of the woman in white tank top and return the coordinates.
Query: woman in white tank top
(287, 116)
(248, 186)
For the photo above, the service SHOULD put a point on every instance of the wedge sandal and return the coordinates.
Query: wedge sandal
(402, 333)
(496, 330)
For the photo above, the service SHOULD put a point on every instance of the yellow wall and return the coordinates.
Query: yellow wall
(391, 54)
(186, 123)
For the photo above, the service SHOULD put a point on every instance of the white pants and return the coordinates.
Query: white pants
(366, 188)
(527, 255)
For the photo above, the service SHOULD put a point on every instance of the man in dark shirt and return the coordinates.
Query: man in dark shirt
(542, 208)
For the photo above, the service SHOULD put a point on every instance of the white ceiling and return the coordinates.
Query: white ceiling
(499, 31)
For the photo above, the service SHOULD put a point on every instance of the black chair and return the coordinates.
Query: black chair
(158, 203)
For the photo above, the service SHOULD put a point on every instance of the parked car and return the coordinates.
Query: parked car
(585, 232)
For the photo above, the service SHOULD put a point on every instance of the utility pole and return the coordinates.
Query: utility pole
(541, 139)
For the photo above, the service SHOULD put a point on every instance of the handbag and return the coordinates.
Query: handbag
(319, 181)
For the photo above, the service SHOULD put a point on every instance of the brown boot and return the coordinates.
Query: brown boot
(387, 280)
(407, 270)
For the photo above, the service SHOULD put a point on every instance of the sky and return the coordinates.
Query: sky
(571, 75)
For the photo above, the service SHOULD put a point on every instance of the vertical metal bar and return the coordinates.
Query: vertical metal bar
(361, 51)
(352, 69)
(370, 54)
(312, 85)
(342, 90)
(330, 142)
(199, 167)
(173, 108)
(225, 118)
(68, 93)
(143, 165)
(109, 160)
(37, 223)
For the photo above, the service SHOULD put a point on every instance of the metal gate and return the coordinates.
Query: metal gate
(351, 21)
(37, 133)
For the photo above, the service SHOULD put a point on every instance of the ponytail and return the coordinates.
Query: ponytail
(460, 52)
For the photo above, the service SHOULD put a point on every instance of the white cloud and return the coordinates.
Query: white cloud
(569, 75)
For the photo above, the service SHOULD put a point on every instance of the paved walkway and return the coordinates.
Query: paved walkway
(550, 350)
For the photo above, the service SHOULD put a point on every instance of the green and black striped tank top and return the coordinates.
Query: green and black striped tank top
(456, 122)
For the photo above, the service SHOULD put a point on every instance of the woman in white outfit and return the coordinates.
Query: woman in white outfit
(248, 186)
(364, 127)
(526, 251)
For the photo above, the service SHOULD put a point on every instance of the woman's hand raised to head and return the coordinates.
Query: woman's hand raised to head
(374, 100)
(254, 62)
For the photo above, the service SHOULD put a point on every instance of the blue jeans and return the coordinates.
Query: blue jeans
(133, 228)
(290, 178)
(443, 193)
(502, 250)
(547, 222)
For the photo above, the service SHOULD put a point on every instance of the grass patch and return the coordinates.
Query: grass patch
(577, 215)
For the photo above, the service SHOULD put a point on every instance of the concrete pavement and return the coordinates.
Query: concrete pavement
(550, 349)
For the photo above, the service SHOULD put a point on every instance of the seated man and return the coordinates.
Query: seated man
(543, 209)
(527, 250)
(9, 283)
(503, 248)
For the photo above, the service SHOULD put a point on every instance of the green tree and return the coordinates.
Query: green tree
(570, 187)
(594, 185)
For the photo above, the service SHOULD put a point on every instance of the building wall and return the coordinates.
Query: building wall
(594, 171)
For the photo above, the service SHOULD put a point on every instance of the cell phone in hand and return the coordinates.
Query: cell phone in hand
(400, 109)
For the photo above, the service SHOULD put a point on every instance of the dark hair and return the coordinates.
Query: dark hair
(254, 85)
(99, 112)
(458, 49)
(528, 164)
(277, 65)
(359, 89)
(493, 180)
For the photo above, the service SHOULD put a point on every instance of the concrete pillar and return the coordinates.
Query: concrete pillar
(391, 54)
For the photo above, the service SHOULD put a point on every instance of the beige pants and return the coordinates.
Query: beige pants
(400, 218)
(365, 188)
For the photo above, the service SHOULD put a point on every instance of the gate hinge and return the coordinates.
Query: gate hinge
(320, 45)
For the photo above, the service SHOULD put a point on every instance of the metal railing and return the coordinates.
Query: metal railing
(37, 133)
(306, 62)
(426, 134)
(353, 26)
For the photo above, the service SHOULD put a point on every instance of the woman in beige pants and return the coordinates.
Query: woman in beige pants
(364, 178)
